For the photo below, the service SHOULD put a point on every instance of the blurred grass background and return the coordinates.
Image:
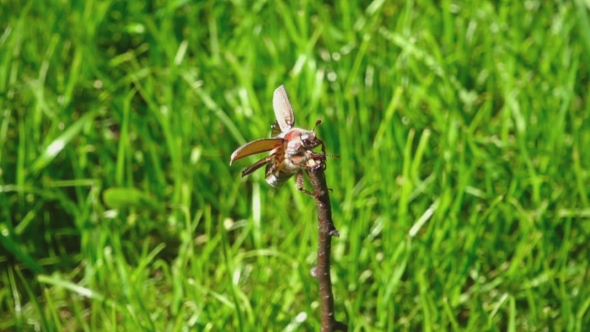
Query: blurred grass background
(460, 195)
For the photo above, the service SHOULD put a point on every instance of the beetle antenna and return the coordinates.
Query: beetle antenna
(317, 123)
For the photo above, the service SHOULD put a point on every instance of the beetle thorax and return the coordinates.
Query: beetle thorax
(299, 140)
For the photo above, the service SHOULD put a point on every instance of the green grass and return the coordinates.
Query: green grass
(461, 192)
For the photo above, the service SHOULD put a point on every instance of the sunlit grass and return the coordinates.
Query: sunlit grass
(460, 193)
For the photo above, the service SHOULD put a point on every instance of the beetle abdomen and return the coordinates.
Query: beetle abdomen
(277, 180)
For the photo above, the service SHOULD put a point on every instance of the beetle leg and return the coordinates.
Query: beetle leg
(319, 161)
(299, 181)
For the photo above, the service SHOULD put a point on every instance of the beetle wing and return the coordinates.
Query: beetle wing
(283, 109)
(254, 147)
(275, 129)
(256, 165)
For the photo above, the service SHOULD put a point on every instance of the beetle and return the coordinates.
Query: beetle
(291, 148)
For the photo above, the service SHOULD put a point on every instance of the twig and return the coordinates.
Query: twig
(326, 231)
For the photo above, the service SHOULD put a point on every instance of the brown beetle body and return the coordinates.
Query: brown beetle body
(291, 149)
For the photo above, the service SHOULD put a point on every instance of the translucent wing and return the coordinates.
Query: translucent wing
(254, 147)
(275, 130)
(283, 109)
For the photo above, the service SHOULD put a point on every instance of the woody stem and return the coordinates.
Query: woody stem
(326, 231)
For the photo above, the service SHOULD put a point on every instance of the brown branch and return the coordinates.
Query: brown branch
(326, 231)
